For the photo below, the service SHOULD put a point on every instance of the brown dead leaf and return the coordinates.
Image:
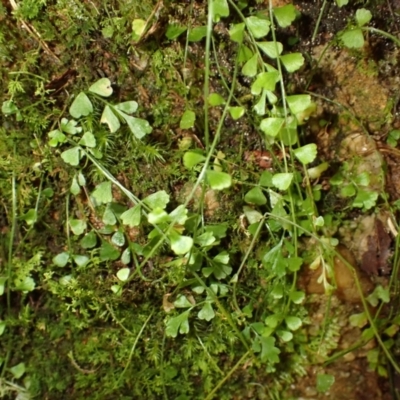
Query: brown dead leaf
(167, 305)
(375, 260)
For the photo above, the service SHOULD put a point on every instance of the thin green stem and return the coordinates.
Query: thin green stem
(321, 13)
(206, 88)
(228, 375)
(382, 33)
(243, 263)
(133, 348)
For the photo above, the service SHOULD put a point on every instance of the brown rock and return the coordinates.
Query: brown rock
(344, 278)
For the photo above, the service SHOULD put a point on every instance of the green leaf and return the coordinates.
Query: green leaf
(138, 126)
(179, 323)
(250, 68)
(80, 260)
(282, 180)
(118, 238)
(285, 15)
(277, 291)
(109, 118)
(218, 180)
(253, 216)
(174, 31)
(89, 240)
(266, 179)
(103, 193)
(180, 244)
(268, 350)
(286, 336)
(382, 293)
(236, 32)
(222, 257)
(108, 252)
(116, 289)
(126, 256)
(273, 320)
(159, 199)
(363, 16)
(138, 27)
(128, 107)
(272, 98)
(206, 312)
(182, 302)
(179, 215)
(71, 156)
(3, 281)
(81, 106)
(205, 239)
(358, 320)
(299, 103)
(219, 9)
(88, 140)
(297, 296)
(271, 49)
(244, 54)
(306, 154)
(236, 112)
(258, 27)
(18, 370)
(316, 172)
(61, 259)
(353, 39)
(30, 217)
(192, 158)
(259, 107)
(362, 179)
(215, 99)
(365, 199)
(342, 3)
(81, 179)
(108, 32)
(348, 190)
(102, 87)
(109, 217)
(187, 120)
(288, 134)
(294, 263)
(8, 107)
(157, 216)
(197, 33)
(26, 284)
(132, 216)
(393, 137)
(70, 126)
(56, 137)
(324, 382)
(293, 323)
(219, 270)
(78, 226)
(2, 327)
(123, 274)
(272, 126)
(292, 62)
(264, 80)
(255, 196)
(379, 293)
(75, 189)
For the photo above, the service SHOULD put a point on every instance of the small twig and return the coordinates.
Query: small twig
(34, 33)
(78, 367)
